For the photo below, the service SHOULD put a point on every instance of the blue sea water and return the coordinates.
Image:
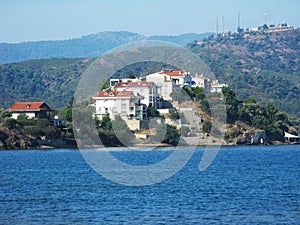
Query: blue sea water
(244, 185)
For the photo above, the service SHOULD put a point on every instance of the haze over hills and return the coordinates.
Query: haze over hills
(92, 45)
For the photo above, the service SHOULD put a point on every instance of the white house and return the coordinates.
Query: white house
(200, 81)
(147, 91)
(168, 80)
(123, 103)
(30, 109)
(216, 86)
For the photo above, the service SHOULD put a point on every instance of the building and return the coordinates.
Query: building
(216, 86)
(200, 81)
(123, 103)
(115, 81)
(169, 80)
(30, 109)
(146, 89)
(179, 77)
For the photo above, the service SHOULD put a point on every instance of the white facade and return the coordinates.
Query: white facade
(217, 87)
(168, 80)
(146, 91)
(29, 115)
(114, 102)
(123, 103)
(200, 81)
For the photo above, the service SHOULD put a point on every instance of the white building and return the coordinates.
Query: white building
(147, 91)
(200, 81)
(123, 103)
(216, 86)
(168, 80)
(30, 109)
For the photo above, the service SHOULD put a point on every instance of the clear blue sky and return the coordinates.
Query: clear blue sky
(32, 20)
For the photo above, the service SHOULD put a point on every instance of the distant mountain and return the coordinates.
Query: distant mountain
(263, 64)
(92, 45)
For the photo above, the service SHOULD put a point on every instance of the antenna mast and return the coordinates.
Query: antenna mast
(217, 25)
(223, 25)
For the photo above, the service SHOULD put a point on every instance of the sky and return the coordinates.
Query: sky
(34, 20)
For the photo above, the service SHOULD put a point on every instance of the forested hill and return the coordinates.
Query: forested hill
(92, 45)
(264, 65)
(51, 80)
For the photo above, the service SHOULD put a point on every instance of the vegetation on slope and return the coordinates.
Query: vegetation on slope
(49, 80)
(257, 64)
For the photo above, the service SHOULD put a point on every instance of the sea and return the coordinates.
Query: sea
(243, 185)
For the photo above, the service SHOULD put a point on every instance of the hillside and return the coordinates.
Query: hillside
(92, 45)
(50, 80)
(258, 64)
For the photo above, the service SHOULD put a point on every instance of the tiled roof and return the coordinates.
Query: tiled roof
(135, 84)
(114, 94)
(29, 106)
(173, 72)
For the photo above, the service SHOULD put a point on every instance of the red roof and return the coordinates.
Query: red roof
(173, 72)
(30, 106)
(216, 99)
(135, 84)
(114, 94)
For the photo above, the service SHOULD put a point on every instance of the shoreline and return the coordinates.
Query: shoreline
(139, 147)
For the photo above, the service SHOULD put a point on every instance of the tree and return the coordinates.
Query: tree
(103, 85)
(10, 123)
(198, 93)
(270, 111)
(173, 115)
(4, 114)
(131, 75)
(166, 133)
(106, 124)
(66, 113)
(207, 125)
(205, 106)
(122, 131)
(152, 112)
(260, 122)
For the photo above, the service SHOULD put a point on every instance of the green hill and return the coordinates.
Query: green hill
(50, 80)
(257, 64)
(92, 45)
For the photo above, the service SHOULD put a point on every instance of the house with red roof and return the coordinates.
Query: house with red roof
(168, 80)
(123, 103)
(146, 89)
(216, 86)
(30, 109)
